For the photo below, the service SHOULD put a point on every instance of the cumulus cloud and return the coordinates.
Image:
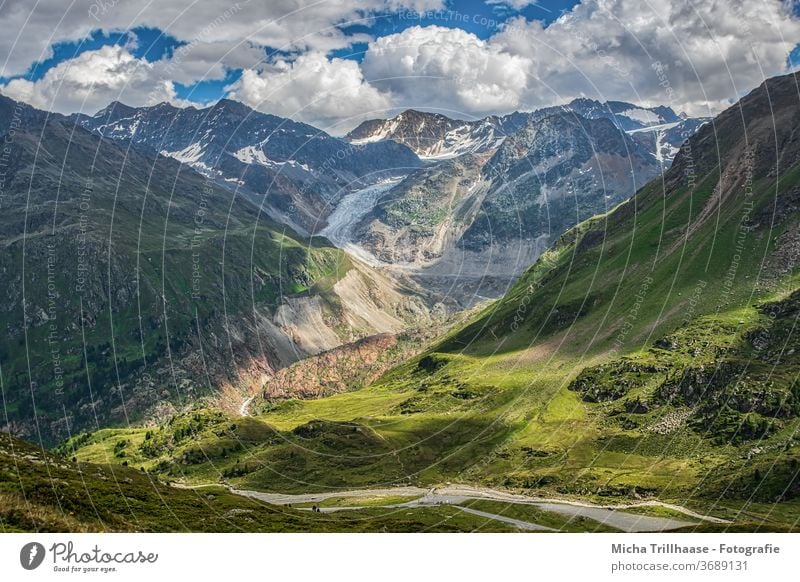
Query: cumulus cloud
(313, 89)
(710, 51)
(209, 61)
(696, 56)
(447, 69)
(93, 79)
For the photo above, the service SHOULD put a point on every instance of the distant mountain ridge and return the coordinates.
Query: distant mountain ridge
(296, 171)
(435, 136)
(298, 174)
(487, 216)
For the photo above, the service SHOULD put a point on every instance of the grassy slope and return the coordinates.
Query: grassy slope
(178, 253)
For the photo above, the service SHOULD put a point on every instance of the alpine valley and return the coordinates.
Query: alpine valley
(577, 318)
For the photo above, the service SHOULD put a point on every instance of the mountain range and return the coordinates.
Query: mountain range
(487, 225)
(295, 172)
(642, 350)
(496, 200)
(435, 136)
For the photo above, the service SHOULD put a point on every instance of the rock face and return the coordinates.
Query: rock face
(468, 226)
(417, 220)
(659, 130)
(434, 136)
(496, 191)
(296, 171)
(553, 173)
(626, 116)
(664, 141)
(336, 370)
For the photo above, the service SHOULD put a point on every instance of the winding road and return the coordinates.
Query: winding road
(610, 515)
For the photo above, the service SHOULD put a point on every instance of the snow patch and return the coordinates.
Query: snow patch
(663, 126)
(191, 154)
(643, 116)
(369, 139)
(252, 155)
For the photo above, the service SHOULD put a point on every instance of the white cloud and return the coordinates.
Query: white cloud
(221, 36)
(711, 51)
(447, 69)
(92, 80)
(209, 61)
(313, 89)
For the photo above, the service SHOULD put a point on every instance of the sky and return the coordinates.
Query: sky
(334, 63)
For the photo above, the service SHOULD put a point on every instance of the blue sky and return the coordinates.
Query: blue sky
(794, 57)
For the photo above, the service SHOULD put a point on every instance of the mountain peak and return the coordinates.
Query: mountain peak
(232, 106)
(584, 102)
(431, 135)
(116, 108)
(417, 114)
